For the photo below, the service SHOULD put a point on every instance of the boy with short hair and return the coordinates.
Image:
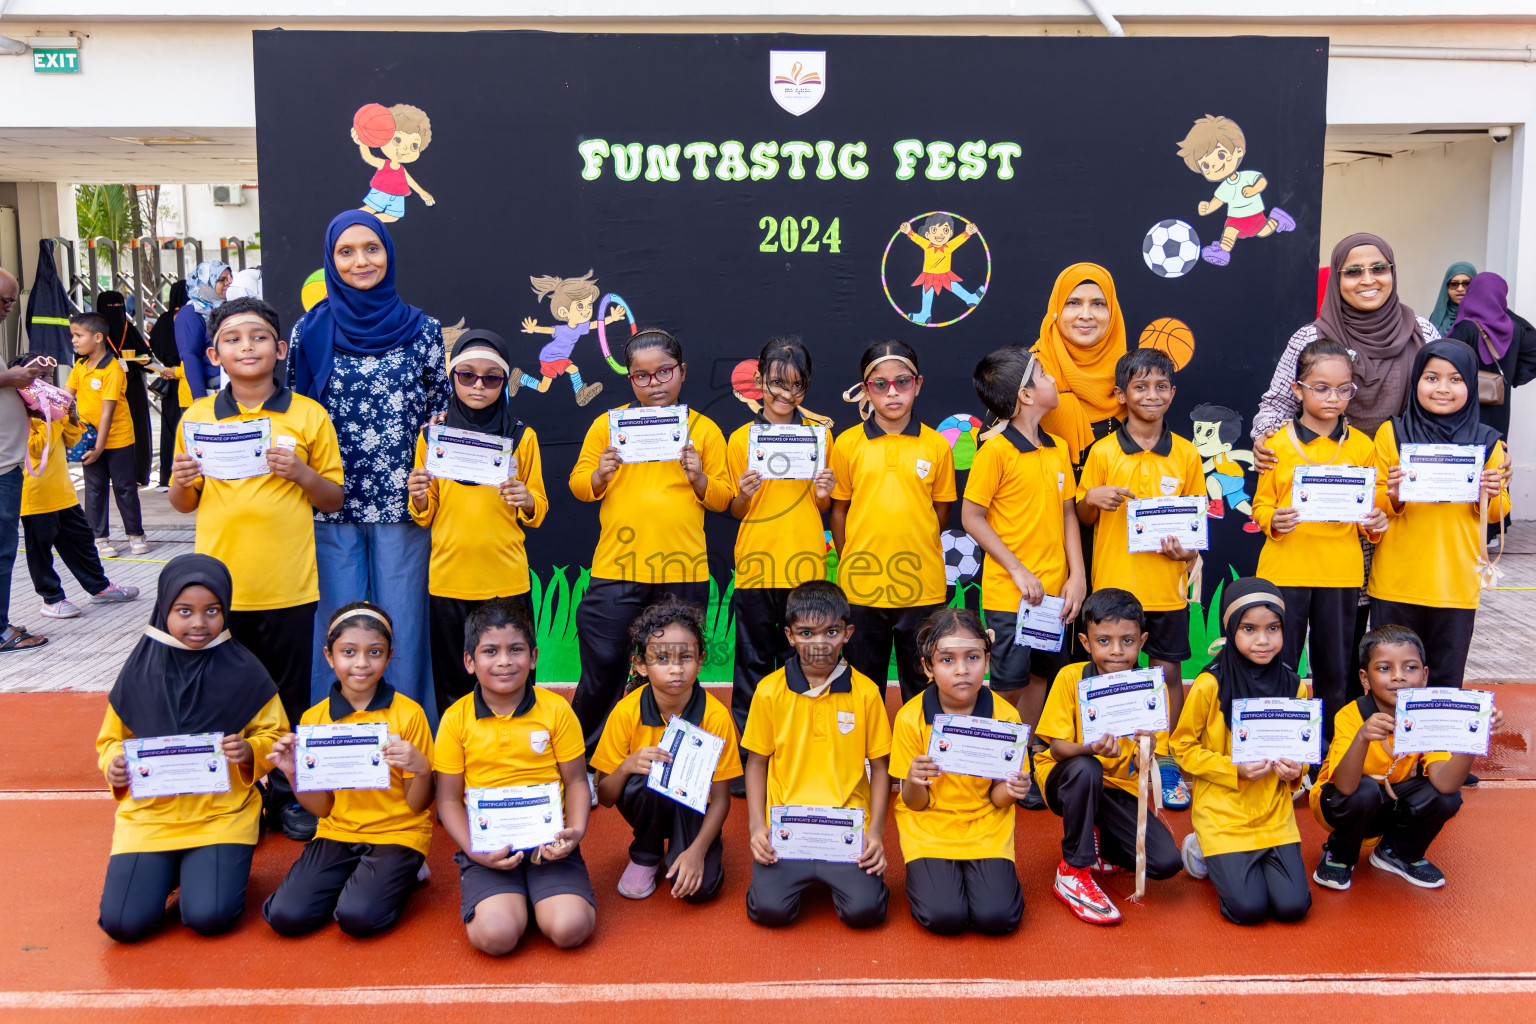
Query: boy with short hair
(1214, 149)
(51, 518)
(99, 383)
(1144, 458)
(1093, 786)
(813, 724)
(1019, 506)
(1366, 793)
(508, 732)
(262, 526)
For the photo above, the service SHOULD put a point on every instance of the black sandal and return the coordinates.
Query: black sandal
(15, 638)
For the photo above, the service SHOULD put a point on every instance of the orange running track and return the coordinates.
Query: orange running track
(1382, 949)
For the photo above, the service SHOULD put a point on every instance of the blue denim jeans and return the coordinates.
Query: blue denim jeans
(385, 563)
(10, 522)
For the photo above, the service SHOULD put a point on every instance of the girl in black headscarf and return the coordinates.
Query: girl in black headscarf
(187, 676)
(127, 344)
(1245, 834)
(477, 530)
(1425, 573)
(176, 397)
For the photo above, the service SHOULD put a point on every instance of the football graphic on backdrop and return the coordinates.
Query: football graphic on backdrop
(962, 558)
(1171, 248)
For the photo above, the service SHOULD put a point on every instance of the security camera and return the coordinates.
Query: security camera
(1501, 132)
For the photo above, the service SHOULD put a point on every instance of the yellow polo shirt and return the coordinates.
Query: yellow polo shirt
(94, 385)
(1313, 554)
(816, 746)
(52, 490)
(781, 541)
(478, 541)
(892, 554)
(377, 815)
(263, 527)
(1059, 721)
(1023, 488)
(636, 722)
(1230, 815)
(1171, 468)
(1428, 555)
(1380, 762)
(960, 821)
(525, 748)
(936, 258)
(652, 520)
(194, 819)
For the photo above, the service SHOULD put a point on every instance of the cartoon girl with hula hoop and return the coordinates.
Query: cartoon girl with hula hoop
(571, 299)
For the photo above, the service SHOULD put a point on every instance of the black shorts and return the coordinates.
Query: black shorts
(533, 882)
(1013, 664)
(1168, 635)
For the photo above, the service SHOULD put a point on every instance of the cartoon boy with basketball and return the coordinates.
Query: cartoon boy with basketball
(938, 242)
(1216, 427)
(1213, 149)
(571, 299)
(401, 133)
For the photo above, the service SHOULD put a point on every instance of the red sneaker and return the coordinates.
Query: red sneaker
(1252, 526)
(1216, 509)
(1076, 888)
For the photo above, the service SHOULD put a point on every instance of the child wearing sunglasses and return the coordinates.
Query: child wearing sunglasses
(895, 483)
(477, 530)
(1318, 566)
(652, 528)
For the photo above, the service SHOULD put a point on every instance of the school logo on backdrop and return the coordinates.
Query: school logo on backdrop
(797, 78)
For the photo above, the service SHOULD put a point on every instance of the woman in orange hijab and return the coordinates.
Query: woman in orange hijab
(1081, 339)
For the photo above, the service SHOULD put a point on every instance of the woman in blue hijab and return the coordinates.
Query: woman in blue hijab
(206, 286)
(1453, 288)
(377, 366)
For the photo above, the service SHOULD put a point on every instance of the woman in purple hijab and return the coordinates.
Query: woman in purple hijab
(1505, 342)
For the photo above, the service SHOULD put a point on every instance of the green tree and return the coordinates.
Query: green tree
(109, 211)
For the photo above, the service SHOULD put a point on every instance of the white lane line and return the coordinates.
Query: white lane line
(55, 794)
(904, 988)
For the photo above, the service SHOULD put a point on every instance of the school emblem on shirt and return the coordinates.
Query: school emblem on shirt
(95, 384)
(923, 466)
(845, 722)
(797, 79)
(1169, 486)
(539, 740)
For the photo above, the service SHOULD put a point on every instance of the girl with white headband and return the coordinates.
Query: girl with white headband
(478, 550)
(370, 849)
(1245, 834)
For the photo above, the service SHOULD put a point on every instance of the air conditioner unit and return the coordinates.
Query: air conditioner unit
(228, 195)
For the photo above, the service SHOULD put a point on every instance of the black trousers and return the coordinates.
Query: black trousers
(212, 880)
(283, 640)
(663, 830)
(1446, 632)
(1406, 825)
(170, 422)
(773, 898)
(114, 471)
(949, 896)
(1075, 790)
(67, 532)
(761, 645)
(875, 631)
(1327, 614)
(602, 635)
(445, 632)
(136, 396)
(1258, 884)
(363, 886)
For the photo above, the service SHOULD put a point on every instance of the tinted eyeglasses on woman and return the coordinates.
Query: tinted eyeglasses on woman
(1356, 271)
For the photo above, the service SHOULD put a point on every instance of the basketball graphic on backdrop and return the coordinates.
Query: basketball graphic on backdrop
(1172, 337)
(374, 124)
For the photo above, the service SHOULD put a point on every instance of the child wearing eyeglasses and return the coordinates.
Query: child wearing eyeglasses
(1318, 566)
(781, 542)
(895, 483)
(652, 527)
(477, 530)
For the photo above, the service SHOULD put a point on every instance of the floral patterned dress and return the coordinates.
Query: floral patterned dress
(379, 404)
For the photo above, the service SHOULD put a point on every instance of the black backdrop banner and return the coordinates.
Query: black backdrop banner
(731, 188)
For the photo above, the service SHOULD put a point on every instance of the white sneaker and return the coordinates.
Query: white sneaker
(138, 545)
(592, 786)
(62, 610)
(162, 489)
(423, 873)
(1194, 860)
(104, 549)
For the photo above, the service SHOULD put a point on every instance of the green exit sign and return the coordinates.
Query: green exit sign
(56, 60)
